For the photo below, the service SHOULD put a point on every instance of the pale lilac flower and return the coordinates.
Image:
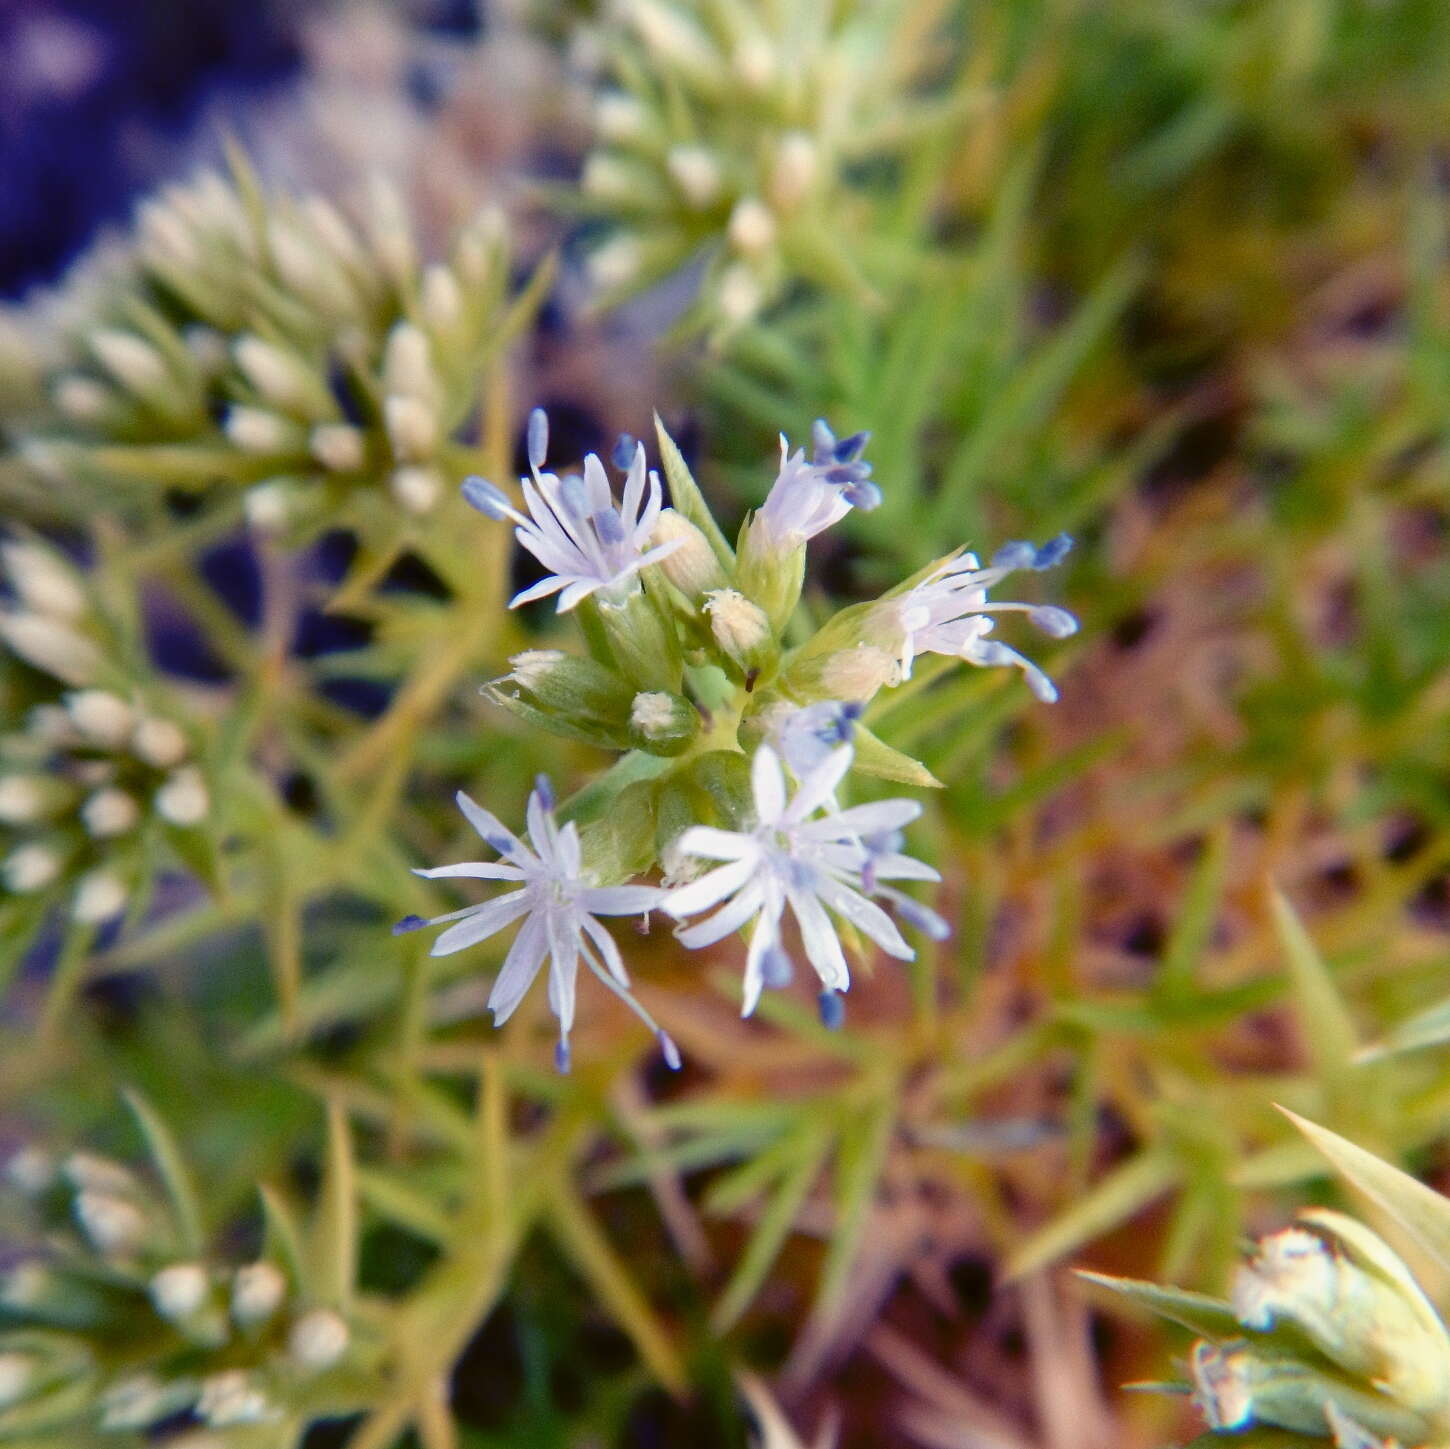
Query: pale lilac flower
(558, 902)
(792, 856)
(807, 498)
(804, 737)
(949, 613)
(574, 527)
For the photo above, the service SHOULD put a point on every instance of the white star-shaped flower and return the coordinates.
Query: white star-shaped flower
(807, 498)
(793, 856)
(558, 902)
(573, 526)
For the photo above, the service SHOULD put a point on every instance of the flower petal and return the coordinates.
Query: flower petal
(484, 921)
(711, 887)
(519, 968)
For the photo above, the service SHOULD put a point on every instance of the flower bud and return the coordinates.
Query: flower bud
(101, 716)
(615, 264)
(178, 1292)
(389, 232)
(23, 798)
(101, 1174)
(282, 379)
(159, 742)
(697, 174)
(754, 62)
(676, 40)
(740, 629)
(31, 868)
(441, 298)
(133, 362)
(412, 428)
(135, 1402)
(739, 294)
(232, 1398)
(853, 673)
(578, 696)
(183, 799)
(408, 365)
(31, 1170)
(17, 1374)
(692, 567)
(339, 447)
(81, 399)
(51, 646)
(109, 813)
(416, 489)
(42, 582)
(642, 637)
(662, 723)
(268, 506)
(257, 431)
(114, 1225)
(307, 269)
(318, 1340)
(752, 227)
(99, 896)
(257, 1293)
(797, 163)
(619, 117)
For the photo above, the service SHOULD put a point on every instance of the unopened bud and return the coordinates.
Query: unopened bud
(797, 162)
(232, 1398)
(23, 798)
(318, 1340)
(389, 231)
(31, 1170)
(159, 742)
(281, 377)
(754, 62)
(739, 294)
(268, 506)
(30, 868)
(692, 566)
(441, 298)
(179, 1291)
(619, 117)
(99, 1174)
(752, 227)
(307, 270)
(416, 489)
(51, 646)
(81, 399)
(114, 1226)
(257, 1293)
(25, 1286)
(42, 582)
(675, 39)
(339, 447)
(255, 430)
(101, 716)
(17, 1373)
(99, 896)
(616, 264)
(135, 1402)
(663, 723)
(109, 813)
(183, 799)
(133, 362)
(610, 178)
(408, 364)
(412, 428)
(740, 629)
(696, 172)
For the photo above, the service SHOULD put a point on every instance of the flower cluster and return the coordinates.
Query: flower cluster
(738, 746)
(275, 347)
(737, 133)
(119, 1319)
(98, 772)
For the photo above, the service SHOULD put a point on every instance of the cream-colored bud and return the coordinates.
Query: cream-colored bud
(255, 430)
(17, 1373)
(338, 447)
(615, 264)
(619, 117)
(752, 227)
(740, 295)
(652, 712)
(23, 798)
(441, 298)
(166, 234)
(25, 1285)
(280, 376)
(114, 1225)
(318, 1340)
(856, 674)
(412, 428)
(232, 1398)
(131, 361)
(100, 1174)
(257, 1293)
(177, 1292)
(797, 164)
(51, 724)
(109, 813)
(477, 247)
(416, 489)
(81, 399)
(134, 1402)
(754, 62)
(607, 177)
(159, 742)
(42, 581)
(51, 646)
(674, 37)
(740, 627)
(307, 270)
(30, 868)
(335, 232)
(692, 566)
(664, 722)
(267, 507)
(31, 1170)
(408, 364)
(696, 172)
(183, 799)
(208, 348)
(389, 231)
(99, 896)
(532, 667)
(101, 716)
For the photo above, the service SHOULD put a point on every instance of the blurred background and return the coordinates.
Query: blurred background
(1170, 275)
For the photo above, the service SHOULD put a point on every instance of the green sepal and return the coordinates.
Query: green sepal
(621, 842)
(884, 762)
(686, 498)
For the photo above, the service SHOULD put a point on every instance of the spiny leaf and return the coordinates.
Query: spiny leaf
(1200, 1314)
(687, 499)
(334, 1241)
(172, 1169)
(1328, 1029)
(282, 1242)
(875, 757)
(1427, 1028)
